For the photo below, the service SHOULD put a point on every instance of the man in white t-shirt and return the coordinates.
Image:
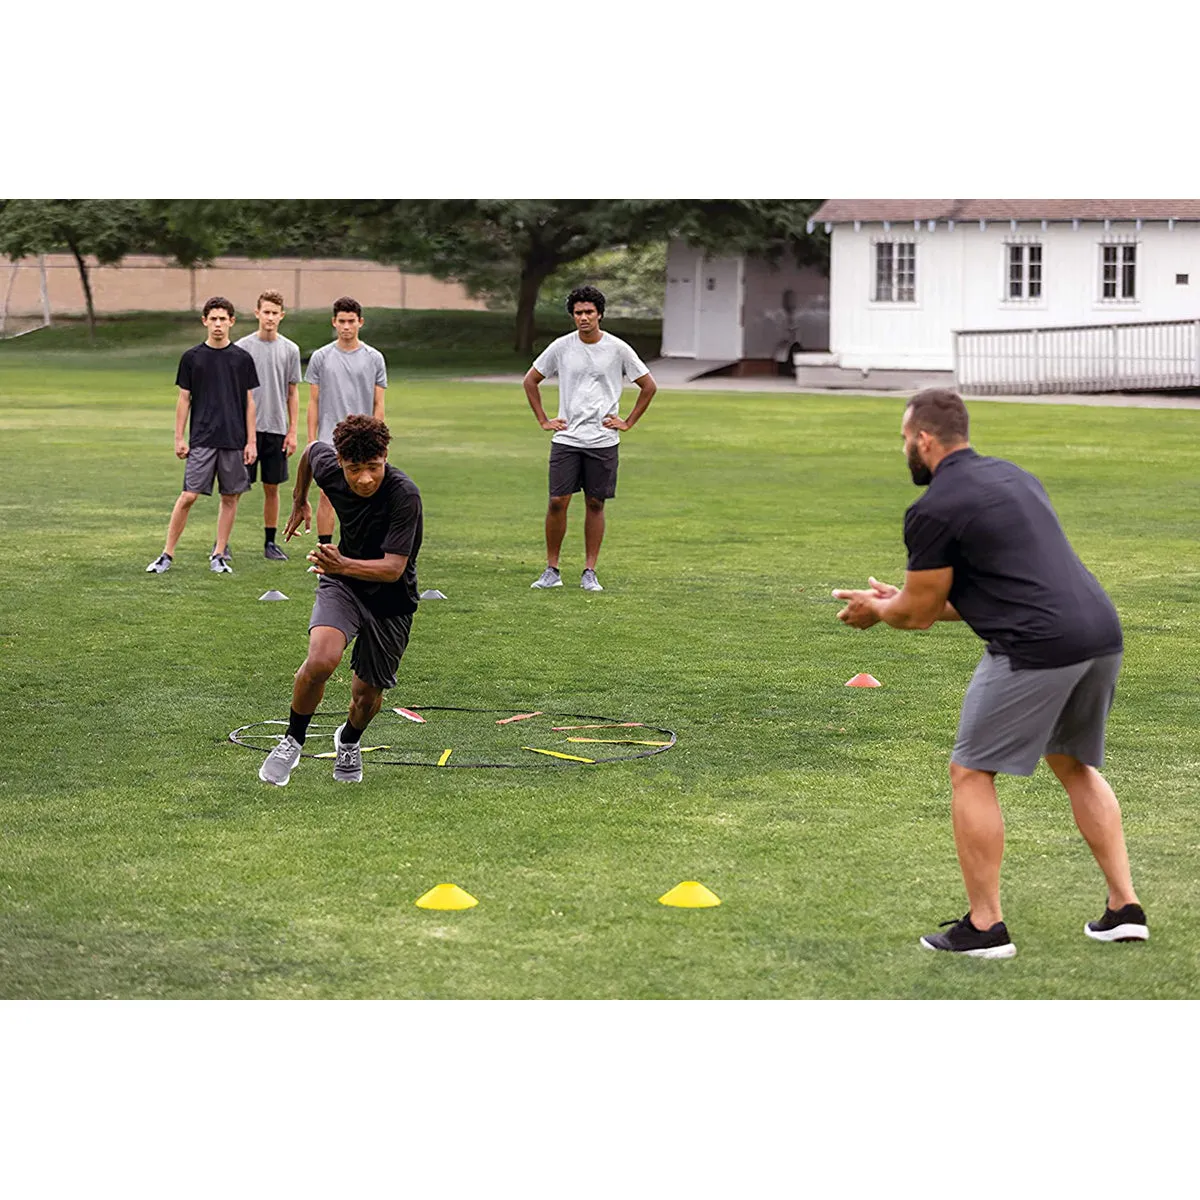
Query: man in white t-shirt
(591, 366)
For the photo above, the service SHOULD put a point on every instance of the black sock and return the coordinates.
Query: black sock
(324, 538)
(269, 530)
(350, 736)
(298, 725)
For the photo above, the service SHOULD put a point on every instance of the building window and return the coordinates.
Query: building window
(1181, 279)
(1118, 272)
(896, 272)
(1025, 271)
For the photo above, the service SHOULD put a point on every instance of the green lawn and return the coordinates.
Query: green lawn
(141, 857)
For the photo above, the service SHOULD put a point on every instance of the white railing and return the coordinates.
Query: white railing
(1147, 356)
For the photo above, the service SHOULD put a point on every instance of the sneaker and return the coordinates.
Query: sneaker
(270, 550)
(220, 565)
(228, 555)
(281, 762)
(550, 577)
(964, 938)
(160, 564)
(589, 582)
(347, 768)
(1127, 924)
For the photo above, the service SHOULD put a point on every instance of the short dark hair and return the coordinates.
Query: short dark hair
(586, 295)
(218, 302)
(942, 413)
(359, 438)
(347, 304)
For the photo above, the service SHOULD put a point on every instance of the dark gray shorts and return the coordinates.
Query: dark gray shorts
(590, 469)
(1010, 719)
(205, 463)
(379, 642)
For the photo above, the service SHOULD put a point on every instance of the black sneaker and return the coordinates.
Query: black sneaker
(1127, 924)
(964, 938)
(270, 550)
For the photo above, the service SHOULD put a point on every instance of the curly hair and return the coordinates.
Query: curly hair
(585, 295)
(271, 297)
(218, 302)
(347, 304)
(359, 439)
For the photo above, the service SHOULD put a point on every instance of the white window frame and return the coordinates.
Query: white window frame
(1027, 263)
(1124, 255)
(896, 252)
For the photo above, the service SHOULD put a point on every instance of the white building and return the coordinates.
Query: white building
(732, 309)
(1111, 287)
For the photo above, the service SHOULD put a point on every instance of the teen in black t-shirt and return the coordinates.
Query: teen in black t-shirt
(367, 593)
(986, 547)
(216, 382)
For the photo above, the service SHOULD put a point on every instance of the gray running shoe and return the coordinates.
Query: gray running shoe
(347, 767)
(228, 555)
(160, 564)
(550, 577)
(270, 550)
(281, 762)
(220, 565)
(589, 582)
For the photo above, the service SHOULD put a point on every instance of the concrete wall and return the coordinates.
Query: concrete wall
(960, 284)
(145, 282)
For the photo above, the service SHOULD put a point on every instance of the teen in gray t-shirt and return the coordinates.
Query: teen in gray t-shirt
(278, 365)
(347, 380)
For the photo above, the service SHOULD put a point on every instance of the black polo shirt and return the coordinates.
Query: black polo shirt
(1017, 582)
(387, 522)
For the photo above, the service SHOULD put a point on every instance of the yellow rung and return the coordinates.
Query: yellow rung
(556, 754)
(445, 755)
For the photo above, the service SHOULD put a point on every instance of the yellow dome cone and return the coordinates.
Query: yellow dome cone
(690, 894)
(447, 896)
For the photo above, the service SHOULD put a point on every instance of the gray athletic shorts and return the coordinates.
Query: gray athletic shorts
(205, 463)
(379, 642)
(1011, 718)
(590, 469)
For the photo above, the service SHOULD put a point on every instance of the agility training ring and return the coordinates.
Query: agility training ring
(449, 736)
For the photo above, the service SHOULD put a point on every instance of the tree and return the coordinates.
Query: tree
(106, 229)
(489, 245)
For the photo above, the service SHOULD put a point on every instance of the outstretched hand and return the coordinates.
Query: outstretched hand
(300, 513)
(861, 611)
(326, 559)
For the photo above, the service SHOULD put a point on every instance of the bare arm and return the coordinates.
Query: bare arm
(251, 451)
(301, 509)
(377, 409)
(923, 600)
(646, 389)
(314, 411)
(293, 411)
(533, 394)
(328, 560)
(183, 406)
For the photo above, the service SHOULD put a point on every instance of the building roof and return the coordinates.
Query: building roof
(837, 211)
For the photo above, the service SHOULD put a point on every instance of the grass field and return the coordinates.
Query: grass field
(141, 857)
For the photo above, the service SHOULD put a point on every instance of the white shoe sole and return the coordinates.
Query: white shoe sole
(1006, 951)
(541, 587)
(1119, 933)
(273, 782)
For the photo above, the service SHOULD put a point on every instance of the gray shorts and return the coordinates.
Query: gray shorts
(206, 463)
(590, 469)
(1011, 718)
(379, 642)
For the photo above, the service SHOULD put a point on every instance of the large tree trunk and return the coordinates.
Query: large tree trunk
(532, 278)
(87, 287)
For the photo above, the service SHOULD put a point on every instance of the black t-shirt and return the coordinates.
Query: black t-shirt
(218, 381)
(387, 522)
(1017, 582)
